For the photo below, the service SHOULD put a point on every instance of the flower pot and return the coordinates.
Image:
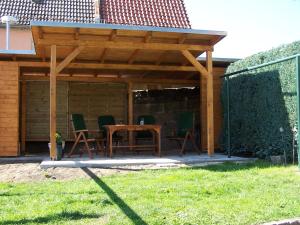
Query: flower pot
(59, 150)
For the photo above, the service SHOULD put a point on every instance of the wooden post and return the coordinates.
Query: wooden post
(23, 117)
(53, 154)
(210, 105)
(130, 111)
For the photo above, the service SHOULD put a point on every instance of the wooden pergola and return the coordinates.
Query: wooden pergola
(119, 53)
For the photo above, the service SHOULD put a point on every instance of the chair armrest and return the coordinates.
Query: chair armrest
(78, 131)
(94, 131)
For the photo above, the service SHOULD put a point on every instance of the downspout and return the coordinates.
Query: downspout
(97, 11)
(8, 20)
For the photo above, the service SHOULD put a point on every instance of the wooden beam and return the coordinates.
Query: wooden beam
(112, 37)
(53, 153)
(124, 45)
(160, 58)
(135, 67)
(103, 54)
(93, 79)
(195, 62)
(41, 34)
(135, 52)
(68, 59)
(133, 56)
(148, 37)
(182, 39)
(23, 117)
(76, 35)
(130, 111)
(210, 105)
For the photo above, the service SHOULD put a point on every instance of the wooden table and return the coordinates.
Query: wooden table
(113, 128)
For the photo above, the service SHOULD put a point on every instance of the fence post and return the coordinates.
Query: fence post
(298, 105)
(228, 117)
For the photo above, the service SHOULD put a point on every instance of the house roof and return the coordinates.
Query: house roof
(158, 13)
(80, 11)
(161, 13)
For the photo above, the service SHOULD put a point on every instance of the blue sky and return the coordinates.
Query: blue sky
(252, 25)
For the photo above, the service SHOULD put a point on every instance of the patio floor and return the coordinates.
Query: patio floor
(119, 161)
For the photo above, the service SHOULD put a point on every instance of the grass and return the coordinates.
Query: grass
(218, 194)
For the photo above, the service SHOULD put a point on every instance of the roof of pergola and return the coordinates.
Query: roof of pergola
(119, 50)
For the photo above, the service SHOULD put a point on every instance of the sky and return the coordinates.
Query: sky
(252, 26)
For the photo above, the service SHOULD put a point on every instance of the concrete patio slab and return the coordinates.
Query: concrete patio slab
(24, 159)
(140, 160)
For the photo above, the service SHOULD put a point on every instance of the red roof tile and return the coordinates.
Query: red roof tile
(158, 13)
(77, 11)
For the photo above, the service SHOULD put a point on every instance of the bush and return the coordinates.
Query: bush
(262, 101)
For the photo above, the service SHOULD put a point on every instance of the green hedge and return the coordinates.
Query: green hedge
(262, 101)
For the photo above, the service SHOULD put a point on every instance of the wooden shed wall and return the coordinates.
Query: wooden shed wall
(37, 110)
(9, 109)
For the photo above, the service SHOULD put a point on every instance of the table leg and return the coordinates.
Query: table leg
(110, 144)
(158, 143)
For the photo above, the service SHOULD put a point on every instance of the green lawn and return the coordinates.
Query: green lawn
(218, 194)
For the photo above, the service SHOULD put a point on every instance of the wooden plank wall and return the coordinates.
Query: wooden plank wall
(96, 99)
(37, 110)
(218, 116)
(9, 109)
(89, 99)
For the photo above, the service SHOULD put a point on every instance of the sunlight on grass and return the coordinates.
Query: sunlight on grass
(218, 194)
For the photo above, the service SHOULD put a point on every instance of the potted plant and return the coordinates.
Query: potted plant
(60, 144)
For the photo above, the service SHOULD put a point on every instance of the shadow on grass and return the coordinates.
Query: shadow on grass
(59, 217)
(231, 166)
(132, 215)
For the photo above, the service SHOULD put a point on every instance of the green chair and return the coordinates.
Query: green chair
(108, 120)
(82, 135)
(185, 131)
(144, 135)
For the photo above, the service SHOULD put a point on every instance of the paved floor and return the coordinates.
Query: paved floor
(190, 158)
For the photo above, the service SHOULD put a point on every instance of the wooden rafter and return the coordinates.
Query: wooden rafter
(148, 36)
(41, 34)
(103, 54)
(76, 35)
(182, 39)
(136, 51)
(160, 58)
(133, 56)
(69, 59)
(112, 37)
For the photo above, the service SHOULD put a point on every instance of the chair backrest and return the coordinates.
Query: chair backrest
(185, 123)
(148, 119)
(105, 120)
(78, 123)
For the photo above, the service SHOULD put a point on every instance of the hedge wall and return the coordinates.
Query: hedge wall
(262, 101)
